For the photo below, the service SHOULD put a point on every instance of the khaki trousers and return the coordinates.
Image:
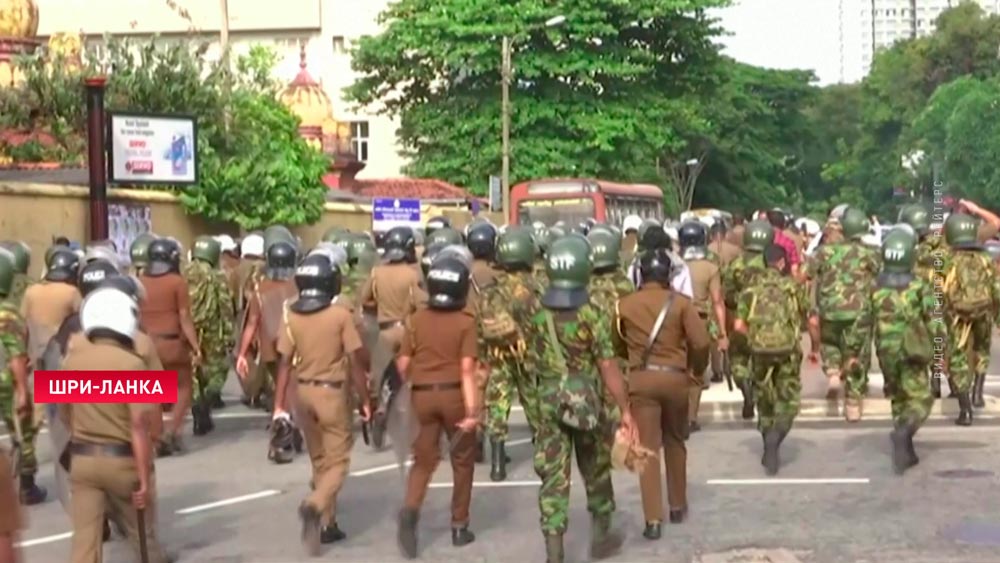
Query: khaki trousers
(389, 341)
(437, 412)
(324, 416)
(105, 484)
(660, 408)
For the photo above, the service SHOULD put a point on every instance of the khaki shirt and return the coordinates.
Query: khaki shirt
(683, 339)
(705, 279)
(144, 348)
(160, 317)
(726, 251)
(104, 423)
(320, 343)
(268, 304)
(396, 290)
(45, 306)
(436, 341)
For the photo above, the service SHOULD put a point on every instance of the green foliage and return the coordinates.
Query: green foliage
(254, 168)
(596, 96)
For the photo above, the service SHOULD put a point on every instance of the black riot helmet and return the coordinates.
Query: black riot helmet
(280, 260)
(130, 285)
(692, 234)
(436, 223)
(164, 257)
(62, 265)
(655, 266)
(447, 284)
(482, 241)
(318, 281)
(430, 252)
(94, 274)
(400, 245)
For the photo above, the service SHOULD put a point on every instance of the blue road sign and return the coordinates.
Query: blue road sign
(389, 213)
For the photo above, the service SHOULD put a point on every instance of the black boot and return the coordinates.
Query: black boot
(377, 428)
(964, 410)
(677, 516)
(198, 418)
(604, 541)
(32, 494)
(653, 531)
(462, 536)
(770, 460)
(331, 534)
(310, 529)
(217, 402)
(978, 401)
(480, 449)
(909, 446)
(498, 459)
(748, 407)
(407, 533)
(207, 414)
(935, 386)
(554, 549)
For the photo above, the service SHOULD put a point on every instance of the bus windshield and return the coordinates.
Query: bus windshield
(572, 211)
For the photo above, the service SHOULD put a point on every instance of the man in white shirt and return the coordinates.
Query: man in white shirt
(657, 238)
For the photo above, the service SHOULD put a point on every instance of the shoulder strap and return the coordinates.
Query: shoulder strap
(657, 327)
(554, 341)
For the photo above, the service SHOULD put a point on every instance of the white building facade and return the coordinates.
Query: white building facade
(327, 28)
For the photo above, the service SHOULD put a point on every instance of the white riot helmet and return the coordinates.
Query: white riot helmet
(226, 243)
(253, 245)
(631, 223)
(112, 310)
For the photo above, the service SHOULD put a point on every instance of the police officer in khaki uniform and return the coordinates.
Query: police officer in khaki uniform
(735, 235)
(720, 245)
(10, 512)
(707, 287)
(438, 358)
(395, 289)
(112, 457)
(166, 317)
(666, 337)
(319, 344)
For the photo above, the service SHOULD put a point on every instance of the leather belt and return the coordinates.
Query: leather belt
(322, 383)
(389, 324)
(174, 336)
(100, 450)
(665, 369)
(437, 386)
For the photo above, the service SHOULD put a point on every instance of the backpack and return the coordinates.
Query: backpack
(968, 285)
(773, 320)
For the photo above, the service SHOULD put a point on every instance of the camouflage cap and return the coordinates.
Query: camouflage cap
(854, 223)
(961, 231)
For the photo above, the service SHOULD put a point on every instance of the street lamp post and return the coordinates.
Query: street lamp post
(506, 72)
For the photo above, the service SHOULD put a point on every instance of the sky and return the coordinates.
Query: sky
(785, 34)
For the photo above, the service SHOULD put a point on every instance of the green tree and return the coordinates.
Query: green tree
(973, 143)
(596, 96)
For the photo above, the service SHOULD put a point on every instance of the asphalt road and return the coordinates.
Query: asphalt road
(836, 500)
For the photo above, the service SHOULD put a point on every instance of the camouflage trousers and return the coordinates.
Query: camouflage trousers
(968, 351)
(906, 385)
(554, 448)
(210, 378)
(739, 357)
(779, 389)
(29, 457)
(499, 392)
(839, 342)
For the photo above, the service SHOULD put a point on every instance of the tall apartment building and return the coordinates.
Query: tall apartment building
(327, 29)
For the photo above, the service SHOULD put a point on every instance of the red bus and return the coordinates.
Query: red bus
(575, 200)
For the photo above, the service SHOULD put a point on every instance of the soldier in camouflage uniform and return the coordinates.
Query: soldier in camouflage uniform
(138, 252)
(571, 353)
(212, 313)
(904, 315)
(930, 252)
(22, 261)
(843, 273)
(361, 258)
(972, 303)
(15, 398)
(739, 275)
(769, 313)
(249, 273)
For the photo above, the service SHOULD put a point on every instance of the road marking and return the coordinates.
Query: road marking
(45, 540)
(250, 414)
(788, 481)
(229, 501)
(489, 484)
(378, 469)
(518, 442)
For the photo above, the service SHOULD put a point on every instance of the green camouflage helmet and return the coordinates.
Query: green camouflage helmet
(961, 230)
(898, 252)
(916, 216)
(605, 248)
(758, 236)
(854, 223)
(7, 271)
(540, 234)
(138, 251)
(568, 267)
(447, 235)
(359, 245)
(555, 233)
(21, 253)
(515, 249)
(278, 233)
(207, 249)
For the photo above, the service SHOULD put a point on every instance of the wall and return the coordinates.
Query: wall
(37, 213)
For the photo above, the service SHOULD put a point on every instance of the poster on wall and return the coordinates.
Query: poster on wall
(152, 149)
(126, 221)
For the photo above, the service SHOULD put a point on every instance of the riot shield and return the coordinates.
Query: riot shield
(60, 435)
(400, 419)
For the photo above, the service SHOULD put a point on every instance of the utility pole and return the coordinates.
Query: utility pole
(505, 72)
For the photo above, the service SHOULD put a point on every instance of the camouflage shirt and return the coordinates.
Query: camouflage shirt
(748, 303)
(605, 291)
(211, 307)
(505, 307)
(929, 253)
(895, 309)
(20, 285)
(843, 273)
(974, 269)
(13, 338)
(739, 275)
